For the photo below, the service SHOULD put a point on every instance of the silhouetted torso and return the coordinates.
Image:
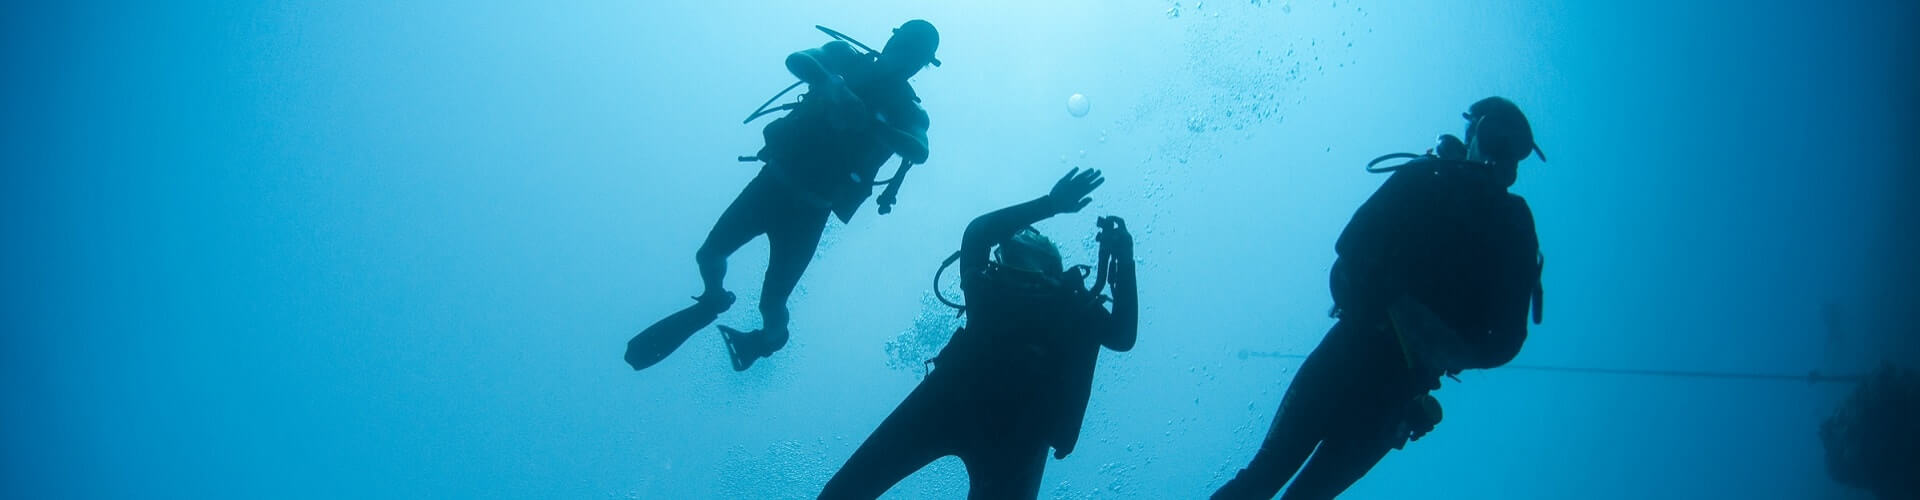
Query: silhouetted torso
(837, 167)
(1034, 352)
(1452, 240)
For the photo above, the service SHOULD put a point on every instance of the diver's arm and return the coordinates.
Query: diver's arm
(997, 226)
(1068, 195)
(1125, 327)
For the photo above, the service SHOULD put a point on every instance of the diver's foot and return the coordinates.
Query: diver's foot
(743, 348)
(715, 302)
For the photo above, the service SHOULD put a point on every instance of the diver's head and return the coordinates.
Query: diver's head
(1498, 132)
(910, 49)
(1029, 251)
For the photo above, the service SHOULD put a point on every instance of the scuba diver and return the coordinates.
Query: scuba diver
(1873, 438)
(819, 159)
(1434, 275)
(1016, 379)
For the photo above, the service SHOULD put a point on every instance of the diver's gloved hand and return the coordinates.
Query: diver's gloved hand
(1418, 418)
(1069, 195)
(1423, 414)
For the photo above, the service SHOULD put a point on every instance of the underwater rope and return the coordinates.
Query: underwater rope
(1811, 377)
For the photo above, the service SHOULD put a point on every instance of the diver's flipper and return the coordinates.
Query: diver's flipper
(661, 339)
(740, 347)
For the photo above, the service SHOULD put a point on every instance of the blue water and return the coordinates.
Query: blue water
(394, 250)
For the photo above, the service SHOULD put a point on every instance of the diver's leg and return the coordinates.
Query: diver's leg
(909, 439)
(791, 244)
(1289, 441)
(1298, 426)
(1335, 466)
(740, 223)
(1008, 472)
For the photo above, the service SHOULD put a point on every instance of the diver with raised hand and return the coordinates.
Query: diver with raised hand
(820, 158)
(1435, 274)
(1016, 379)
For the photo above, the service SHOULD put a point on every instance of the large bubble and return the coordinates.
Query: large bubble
(1078, 106)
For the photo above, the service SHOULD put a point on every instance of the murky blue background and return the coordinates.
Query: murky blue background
(393, 250)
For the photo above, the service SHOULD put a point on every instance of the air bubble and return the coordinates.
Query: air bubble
(1078, 106)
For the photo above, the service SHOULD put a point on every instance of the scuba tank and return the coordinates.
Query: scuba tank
(763, 110)
(1450, 154)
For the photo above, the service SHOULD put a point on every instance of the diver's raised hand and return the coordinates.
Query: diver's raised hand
(1069, 195)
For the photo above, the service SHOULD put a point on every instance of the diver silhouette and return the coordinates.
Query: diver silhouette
(1873, 439)
(1016, 379)
(1434, 275)
(819, 159)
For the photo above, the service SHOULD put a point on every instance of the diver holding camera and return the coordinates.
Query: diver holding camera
(1016, 379)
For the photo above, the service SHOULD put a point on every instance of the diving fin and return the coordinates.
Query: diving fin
(736, 352)
(656, 342)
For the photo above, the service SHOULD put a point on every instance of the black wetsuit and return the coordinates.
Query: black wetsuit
(1012, 383)
(811, 170)
(1450, 239)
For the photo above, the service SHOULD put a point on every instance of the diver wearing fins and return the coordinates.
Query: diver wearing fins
(820, 159)
(1435, 274)
(1016, 379)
